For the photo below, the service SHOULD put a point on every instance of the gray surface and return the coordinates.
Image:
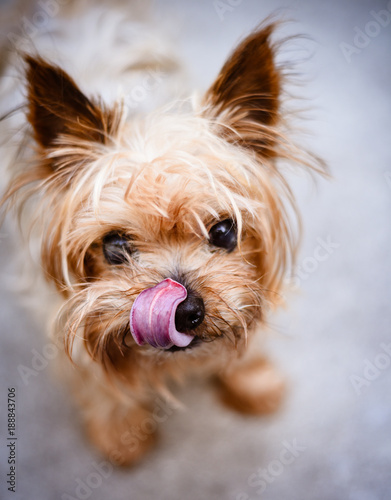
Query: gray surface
(330, 331)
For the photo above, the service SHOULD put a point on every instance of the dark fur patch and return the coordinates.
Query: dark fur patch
(58, 107)
(249, 87)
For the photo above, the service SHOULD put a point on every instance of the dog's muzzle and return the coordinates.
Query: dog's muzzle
(163, 316)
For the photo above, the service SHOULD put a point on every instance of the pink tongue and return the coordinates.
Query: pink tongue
(152, 318)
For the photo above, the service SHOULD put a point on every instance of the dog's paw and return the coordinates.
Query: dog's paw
(254, 388)
(123, 437)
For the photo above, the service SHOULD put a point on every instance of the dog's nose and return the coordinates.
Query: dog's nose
(189, 314)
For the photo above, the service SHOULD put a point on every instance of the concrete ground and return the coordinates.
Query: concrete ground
(332, 439)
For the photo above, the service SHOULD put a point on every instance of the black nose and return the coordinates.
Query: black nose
(189, 314)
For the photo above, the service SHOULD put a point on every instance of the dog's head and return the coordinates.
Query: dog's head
(167, 234)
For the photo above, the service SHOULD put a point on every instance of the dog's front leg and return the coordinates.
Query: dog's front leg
(121, 427)
(252, 386)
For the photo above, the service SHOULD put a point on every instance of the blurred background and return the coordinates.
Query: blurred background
(332, 438)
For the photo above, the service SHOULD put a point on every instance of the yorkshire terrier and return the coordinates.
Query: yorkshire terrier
(167, 235)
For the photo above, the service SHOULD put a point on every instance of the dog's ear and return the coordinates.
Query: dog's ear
(244, 99)
(56, 107)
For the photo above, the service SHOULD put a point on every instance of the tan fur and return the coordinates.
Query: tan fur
(163, 179)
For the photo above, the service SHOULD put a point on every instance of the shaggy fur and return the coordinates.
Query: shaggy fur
(163, 180)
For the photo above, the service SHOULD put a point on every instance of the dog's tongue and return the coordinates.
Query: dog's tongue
(152, 318)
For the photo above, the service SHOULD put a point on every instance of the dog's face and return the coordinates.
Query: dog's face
(178, 217)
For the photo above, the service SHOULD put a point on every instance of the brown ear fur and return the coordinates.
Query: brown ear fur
(246, 93)
(58, 107)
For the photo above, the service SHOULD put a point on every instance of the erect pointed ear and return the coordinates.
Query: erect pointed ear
(56, 106)
(245, 95)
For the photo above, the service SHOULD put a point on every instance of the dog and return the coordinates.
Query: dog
(165, 235)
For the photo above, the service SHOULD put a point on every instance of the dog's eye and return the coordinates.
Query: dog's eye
(223, 235)
(116, 247)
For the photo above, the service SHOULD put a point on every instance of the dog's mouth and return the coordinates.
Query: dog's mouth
(153, 317)
(195, 342)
